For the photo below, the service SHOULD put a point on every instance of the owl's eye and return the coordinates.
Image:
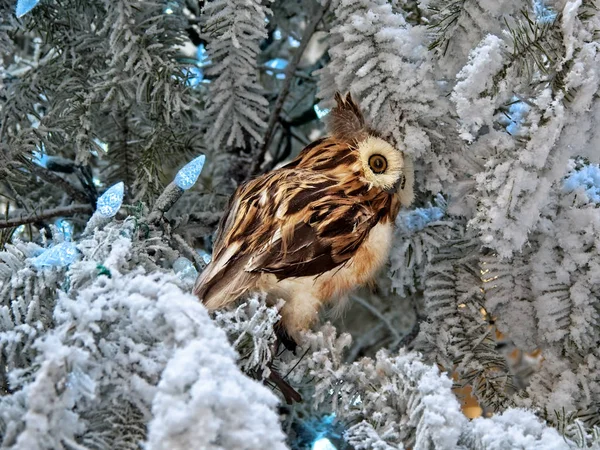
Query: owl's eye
(378, 163)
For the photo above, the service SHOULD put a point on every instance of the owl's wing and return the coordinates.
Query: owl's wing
(324, 234)
(290, 222)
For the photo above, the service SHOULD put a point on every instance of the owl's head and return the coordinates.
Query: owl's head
(384, 166)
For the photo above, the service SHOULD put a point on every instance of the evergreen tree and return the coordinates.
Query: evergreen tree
(483, 330)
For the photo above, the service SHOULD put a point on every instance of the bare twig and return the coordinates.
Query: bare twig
(200, 223)
(410, 336)
(48, 214)
(369, 338)
(184, 248)
(377, 314)
(287, 83)
(205, 218)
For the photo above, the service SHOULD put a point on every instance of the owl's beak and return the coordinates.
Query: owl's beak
(396, 187)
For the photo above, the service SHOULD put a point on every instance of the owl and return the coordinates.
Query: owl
(314, 229)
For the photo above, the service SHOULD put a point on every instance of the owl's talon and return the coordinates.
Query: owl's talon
(288, 392)
(285, 339)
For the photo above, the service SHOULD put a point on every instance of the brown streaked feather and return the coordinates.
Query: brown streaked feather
(293, 222)
(227, 219)
(220, 287)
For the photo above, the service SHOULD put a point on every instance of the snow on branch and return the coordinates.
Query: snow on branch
(456, 25)
(131, 348)
(520, 172)
(236, 108)
(382, 60)
(399, 401)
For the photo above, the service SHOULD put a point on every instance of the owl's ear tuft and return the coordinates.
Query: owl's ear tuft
(346, 121)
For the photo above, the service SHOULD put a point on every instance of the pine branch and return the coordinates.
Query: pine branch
(289, 76)
(48, 214)
(448, 16)
(235, 105)
(454, 300)
(60, 182)
(533, 44)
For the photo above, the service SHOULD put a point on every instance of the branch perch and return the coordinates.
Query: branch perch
(287, 83)
(48, 214)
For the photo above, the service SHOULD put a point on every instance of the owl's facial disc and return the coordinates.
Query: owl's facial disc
(382, 164)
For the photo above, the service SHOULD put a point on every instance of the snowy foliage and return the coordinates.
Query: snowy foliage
(458, 25)
(112, 321)
(125, 350)
(474, 108)
(520, 174)
(236, 105)
(369, 45)
(203, 397)
(250, 329)
(515, 428)
(391, 402)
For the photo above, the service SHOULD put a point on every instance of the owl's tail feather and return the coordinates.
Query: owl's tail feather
(220, 285)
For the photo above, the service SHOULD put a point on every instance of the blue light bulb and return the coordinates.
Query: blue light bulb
(24, 6)
(110, 202)
(61, 255)
(586, 179)
(323, 444)
(277, 63)
(184, 268)
(293, 42)
(39, 156)
(188, 175)
(202, 56)
(321, 112)
(65, 228)
(205, 256)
